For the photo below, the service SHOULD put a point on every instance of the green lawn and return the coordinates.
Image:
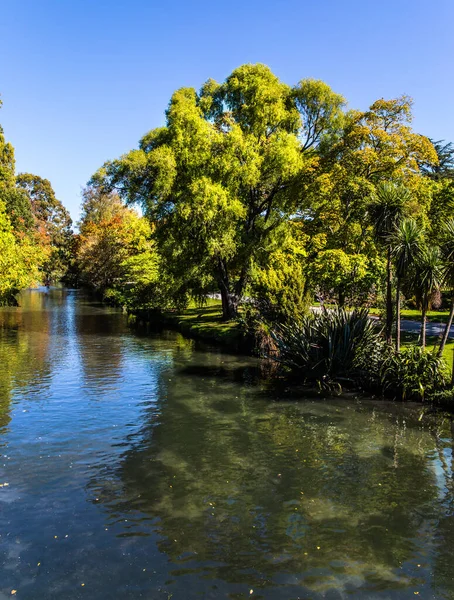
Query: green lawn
(432, 342)
(436, 316)
(205, 322)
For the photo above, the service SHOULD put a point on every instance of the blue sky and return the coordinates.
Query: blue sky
(83, 80)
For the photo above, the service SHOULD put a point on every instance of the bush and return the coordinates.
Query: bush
(443, 397)
(328, 346)
(413, 373)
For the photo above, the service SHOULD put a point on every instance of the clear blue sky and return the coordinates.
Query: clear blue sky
(83, 80)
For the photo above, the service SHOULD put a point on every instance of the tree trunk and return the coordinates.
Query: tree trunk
(229, 301)
(423, 324)
(444, 339)
(398, 316)
(341, 296)
(389, 300)
(229, 304)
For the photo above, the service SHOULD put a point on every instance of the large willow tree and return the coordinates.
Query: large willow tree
(218, 180)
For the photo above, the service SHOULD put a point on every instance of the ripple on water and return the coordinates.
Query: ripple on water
(143, 466)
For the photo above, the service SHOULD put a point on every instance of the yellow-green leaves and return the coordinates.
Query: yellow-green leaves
(19, 260)
(320, 109)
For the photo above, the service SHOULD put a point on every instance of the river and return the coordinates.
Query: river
(144, 466)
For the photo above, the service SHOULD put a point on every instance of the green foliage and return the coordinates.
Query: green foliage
(326, 346)
(443, 166)
(52, 222)
(349, 277)
(7, 162)
(428, 275)
(218, 180)
(441, 208)
(115, 254)
(19, 260)
(413, 373)
(18, 208)
(387, 208)
(406, 245)
(278, 280)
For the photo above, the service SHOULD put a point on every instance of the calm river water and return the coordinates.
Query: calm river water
(145, 467)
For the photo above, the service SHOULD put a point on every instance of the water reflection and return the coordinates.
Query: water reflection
(315, 497)
(144, 466)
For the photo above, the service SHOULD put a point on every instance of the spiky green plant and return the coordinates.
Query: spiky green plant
(326, 347)
(447, 254)
(427, 278)
(406, 246)
(386, 210)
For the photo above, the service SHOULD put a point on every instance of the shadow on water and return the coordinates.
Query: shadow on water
(148, 466)
(288, 499)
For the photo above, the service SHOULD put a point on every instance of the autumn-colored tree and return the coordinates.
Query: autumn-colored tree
(52, 222)
(115, 253)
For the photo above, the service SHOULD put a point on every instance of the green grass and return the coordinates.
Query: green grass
(205, 323)
(431, 342)
(435, 316)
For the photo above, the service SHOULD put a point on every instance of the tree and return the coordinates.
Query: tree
(18, 208)
(7, 162)
(443, 167)
(428, 277)
(447, 253)
(219, 179)
(52, 222)
(406, 243)
(19, 260)
(339, 206)
(386, 210)
(115, 254)
(349, 276)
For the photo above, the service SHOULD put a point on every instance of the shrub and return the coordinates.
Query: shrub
(327, 346)
(413, 373)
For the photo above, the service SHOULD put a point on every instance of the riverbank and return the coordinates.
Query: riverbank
(203, 323)
(412, 376)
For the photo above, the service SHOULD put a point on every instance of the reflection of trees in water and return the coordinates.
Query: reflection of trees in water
(444, 535)
(100, 344)
(24, 347)
(251, 492)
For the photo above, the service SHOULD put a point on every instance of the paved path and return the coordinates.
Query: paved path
(410, 326)
(431, 328)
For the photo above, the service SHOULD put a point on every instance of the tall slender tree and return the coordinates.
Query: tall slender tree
(447, 253)
(386, 210)
(428, 278)
(406, 242)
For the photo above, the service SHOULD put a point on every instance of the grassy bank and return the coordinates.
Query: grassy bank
(201, 322)
(205, 323)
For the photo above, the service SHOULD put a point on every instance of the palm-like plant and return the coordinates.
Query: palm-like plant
(447, 253)
(428, 278)
(406, 243)
(386, 210)
(327, 346)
